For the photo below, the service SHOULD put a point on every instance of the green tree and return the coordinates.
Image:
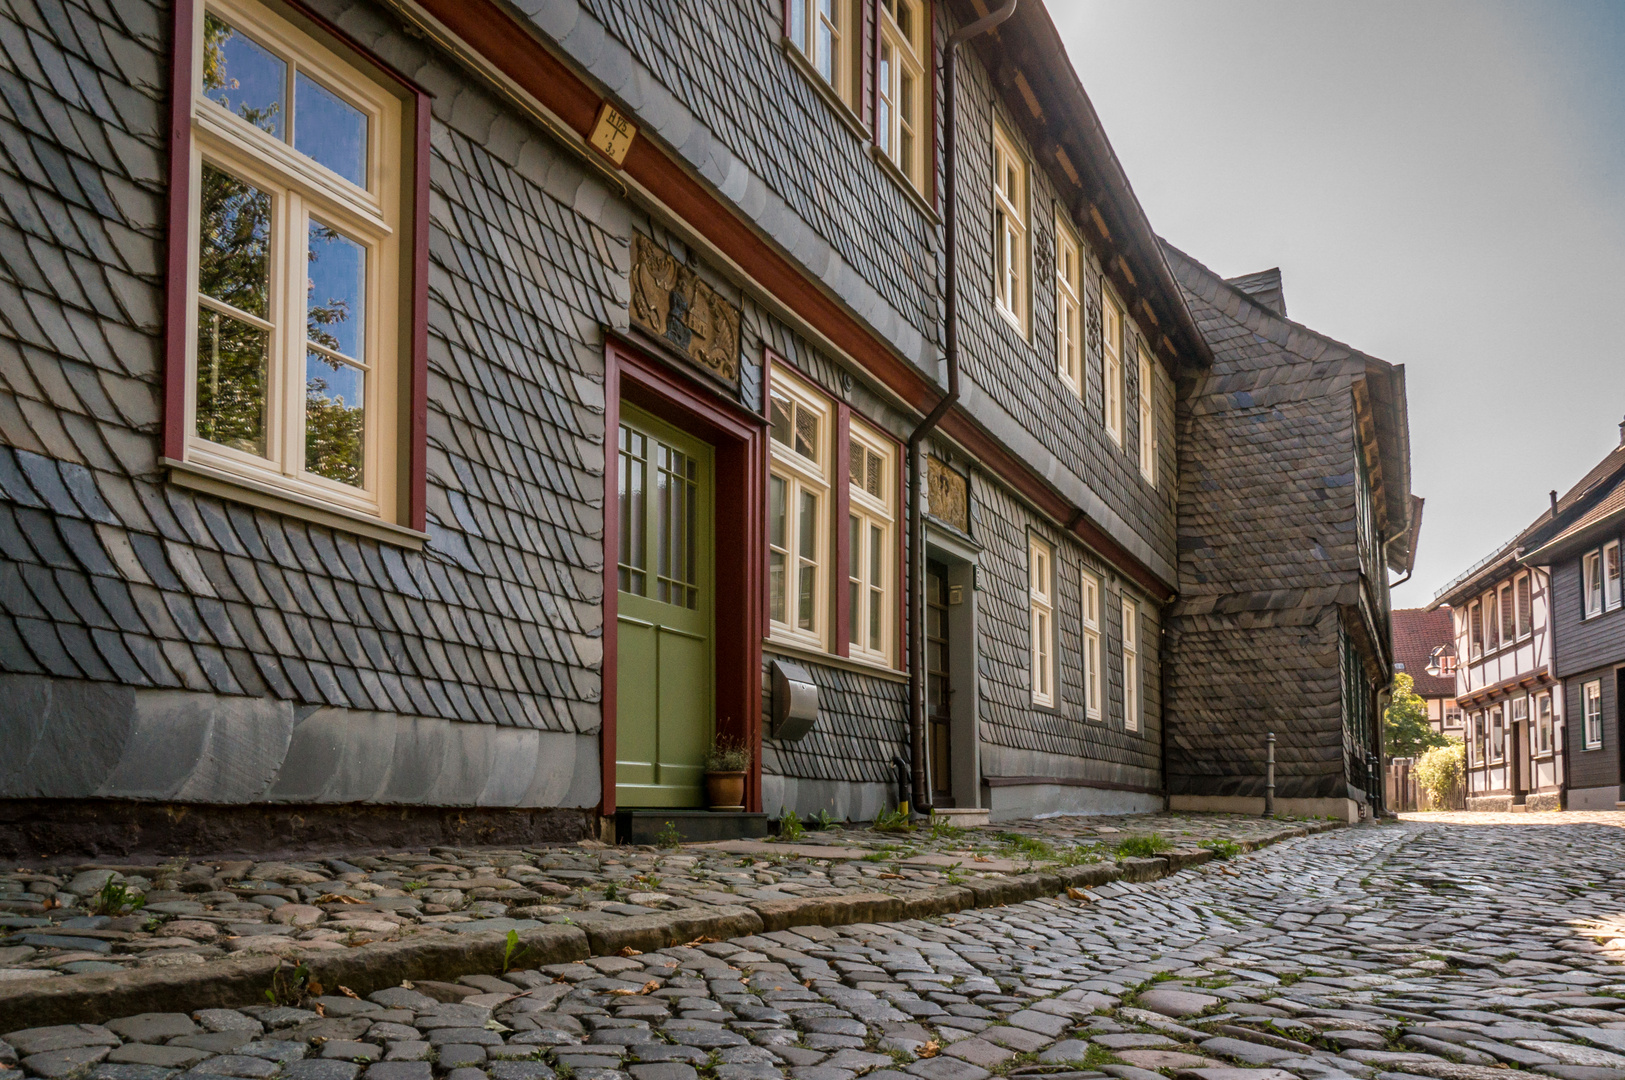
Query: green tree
(1406, 732)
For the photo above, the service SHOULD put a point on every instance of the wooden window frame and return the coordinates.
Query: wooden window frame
(1496, 714)
(1544, 723)
(1591, 589)
(1148, 416)
(1611, 585)
(845, 75)
(1068, 304)
(1475, 630)
(1113, 340)
(391, 215)
(1012, 231)
(1093, 675)
(1523, 597)
(872, 513)
(1492, 621)
(799, 475)
(909, 60)
(1041, 620)
(1132, 703)
(1591, 718)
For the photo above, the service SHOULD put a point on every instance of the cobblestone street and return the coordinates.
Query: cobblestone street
(1416, 949)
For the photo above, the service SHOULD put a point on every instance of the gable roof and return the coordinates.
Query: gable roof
(1417, 632)
(1386, 413)
(1028, 62)
(1596, 502)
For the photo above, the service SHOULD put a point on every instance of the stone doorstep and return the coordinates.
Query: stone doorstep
(242, 979)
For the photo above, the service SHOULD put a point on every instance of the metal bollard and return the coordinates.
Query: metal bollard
(1269, 778)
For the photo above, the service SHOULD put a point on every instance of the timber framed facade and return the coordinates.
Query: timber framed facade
(592, 418)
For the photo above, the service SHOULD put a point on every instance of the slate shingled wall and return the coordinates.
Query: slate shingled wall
(1267, 551)
(261, 658)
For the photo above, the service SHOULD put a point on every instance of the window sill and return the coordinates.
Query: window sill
(843, 111)
(1009, 318)
(224, 485)
(898, 177)
(829, 659)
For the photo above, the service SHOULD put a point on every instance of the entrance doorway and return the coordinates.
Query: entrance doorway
(664, 608)
(938, 684)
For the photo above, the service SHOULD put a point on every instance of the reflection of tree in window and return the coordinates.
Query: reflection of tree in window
(234, 237)
(243, 76)
(335, 382)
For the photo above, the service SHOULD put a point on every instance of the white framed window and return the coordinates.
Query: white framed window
(1509, 629)
(900, 125)
(824, 32)
(1591, 577)
(1591, 704)
(1092, 680)
(1542, 735)
(1111, 349)
(1492, 622)
(1148, 419)
(1068, 304)
(1475, 629)
(1610, 574)
(1521, 595)
(798, 510)
(1041, 606)
(1520, 712)
(1497, 735)
(292, 356)
(1010, 229)
(1131, 665)
(1452, 714)
(871, 548)
(1478, 744)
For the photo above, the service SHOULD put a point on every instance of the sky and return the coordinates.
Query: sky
(1442, 186)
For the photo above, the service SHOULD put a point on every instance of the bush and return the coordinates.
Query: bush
(1441, 771)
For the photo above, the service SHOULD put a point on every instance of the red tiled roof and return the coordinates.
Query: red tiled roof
(1417, 632)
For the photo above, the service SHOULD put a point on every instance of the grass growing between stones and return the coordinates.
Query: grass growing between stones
(1141, 847)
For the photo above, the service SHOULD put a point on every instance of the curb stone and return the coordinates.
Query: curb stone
(234, 982)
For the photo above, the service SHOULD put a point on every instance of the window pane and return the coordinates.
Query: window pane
(778, 492)
(798, 23)
(231, 357)
(854, 548)
(234, 242)
(854, 456)
(782, 423)
(877, 553)
(826, 39)
(243, 76)
(875, 598)
(335, 307)
(807, 433)
(872, 478)
(1611, 574)
(883, 99)
(775, 586)
(808, 525)
(805, 587)
(335, 418)
(330, 130)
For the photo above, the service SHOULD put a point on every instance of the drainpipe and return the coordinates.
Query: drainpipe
(916, 511)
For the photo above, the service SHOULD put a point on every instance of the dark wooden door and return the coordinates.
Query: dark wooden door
(938, 689)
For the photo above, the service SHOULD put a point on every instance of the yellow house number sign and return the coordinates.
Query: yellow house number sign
(612, 135)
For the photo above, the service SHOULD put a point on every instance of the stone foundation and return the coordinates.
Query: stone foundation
(1493, 804)
(1544, 800)
(1348, 810)
(33, 829)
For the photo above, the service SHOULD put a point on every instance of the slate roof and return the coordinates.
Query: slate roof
(1417, 632)
(1596, 498)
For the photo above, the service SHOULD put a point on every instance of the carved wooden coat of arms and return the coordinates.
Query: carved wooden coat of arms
(947, 499)
(671, 302)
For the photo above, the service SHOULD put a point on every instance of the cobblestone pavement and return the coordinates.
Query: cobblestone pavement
(79, 917)
(1386, 952)
(1540, 817)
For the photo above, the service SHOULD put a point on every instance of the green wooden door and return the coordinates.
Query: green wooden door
(664, 671)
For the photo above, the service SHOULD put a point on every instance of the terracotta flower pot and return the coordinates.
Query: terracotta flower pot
(725, 790)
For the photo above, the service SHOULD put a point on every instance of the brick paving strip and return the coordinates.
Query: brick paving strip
(214, 934)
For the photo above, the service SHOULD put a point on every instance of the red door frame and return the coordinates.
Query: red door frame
(740, 441)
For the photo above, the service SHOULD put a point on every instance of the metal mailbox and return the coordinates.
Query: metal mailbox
(795, 701)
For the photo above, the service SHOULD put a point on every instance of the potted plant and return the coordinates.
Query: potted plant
(725, 766)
